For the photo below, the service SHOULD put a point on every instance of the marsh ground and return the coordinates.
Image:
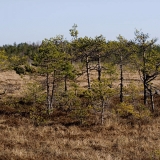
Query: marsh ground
(117, 139)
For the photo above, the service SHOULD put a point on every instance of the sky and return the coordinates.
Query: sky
(34, 20)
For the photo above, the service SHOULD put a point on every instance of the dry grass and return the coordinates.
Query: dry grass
(127, 75)
(116, 140)
(15, 84)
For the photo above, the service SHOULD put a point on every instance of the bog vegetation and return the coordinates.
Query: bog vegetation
(80, 86)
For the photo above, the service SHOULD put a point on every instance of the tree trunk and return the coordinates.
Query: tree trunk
(151, 98)
(145, 90)
(65, 84)
(102, 112)
(121, 83)
(88, 71)
(152, 101)
(53, 88)
(99, 68)
(48, 96)
(144, 78)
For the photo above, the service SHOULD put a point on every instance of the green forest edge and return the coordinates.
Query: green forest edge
(60, 63)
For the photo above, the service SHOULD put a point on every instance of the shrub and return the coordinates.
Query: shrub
(125, 109)
(20, 70)
(30, 69)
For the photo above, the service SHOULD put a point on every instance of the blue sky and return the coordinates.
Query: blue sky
(33, 20)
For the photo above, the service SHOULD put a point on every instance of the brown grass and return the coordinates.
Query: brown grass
(15, 84)
(116, 140)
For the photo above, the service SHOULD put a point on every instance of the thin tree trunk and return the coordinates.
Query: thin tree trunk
(152, 102)
(48, 96)
(121, 83)
(145, 90)
(102, 112)
(88, 71)
(53, 88)
(144, 78)
(99, 68)
(65, 84)
(152, 99)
